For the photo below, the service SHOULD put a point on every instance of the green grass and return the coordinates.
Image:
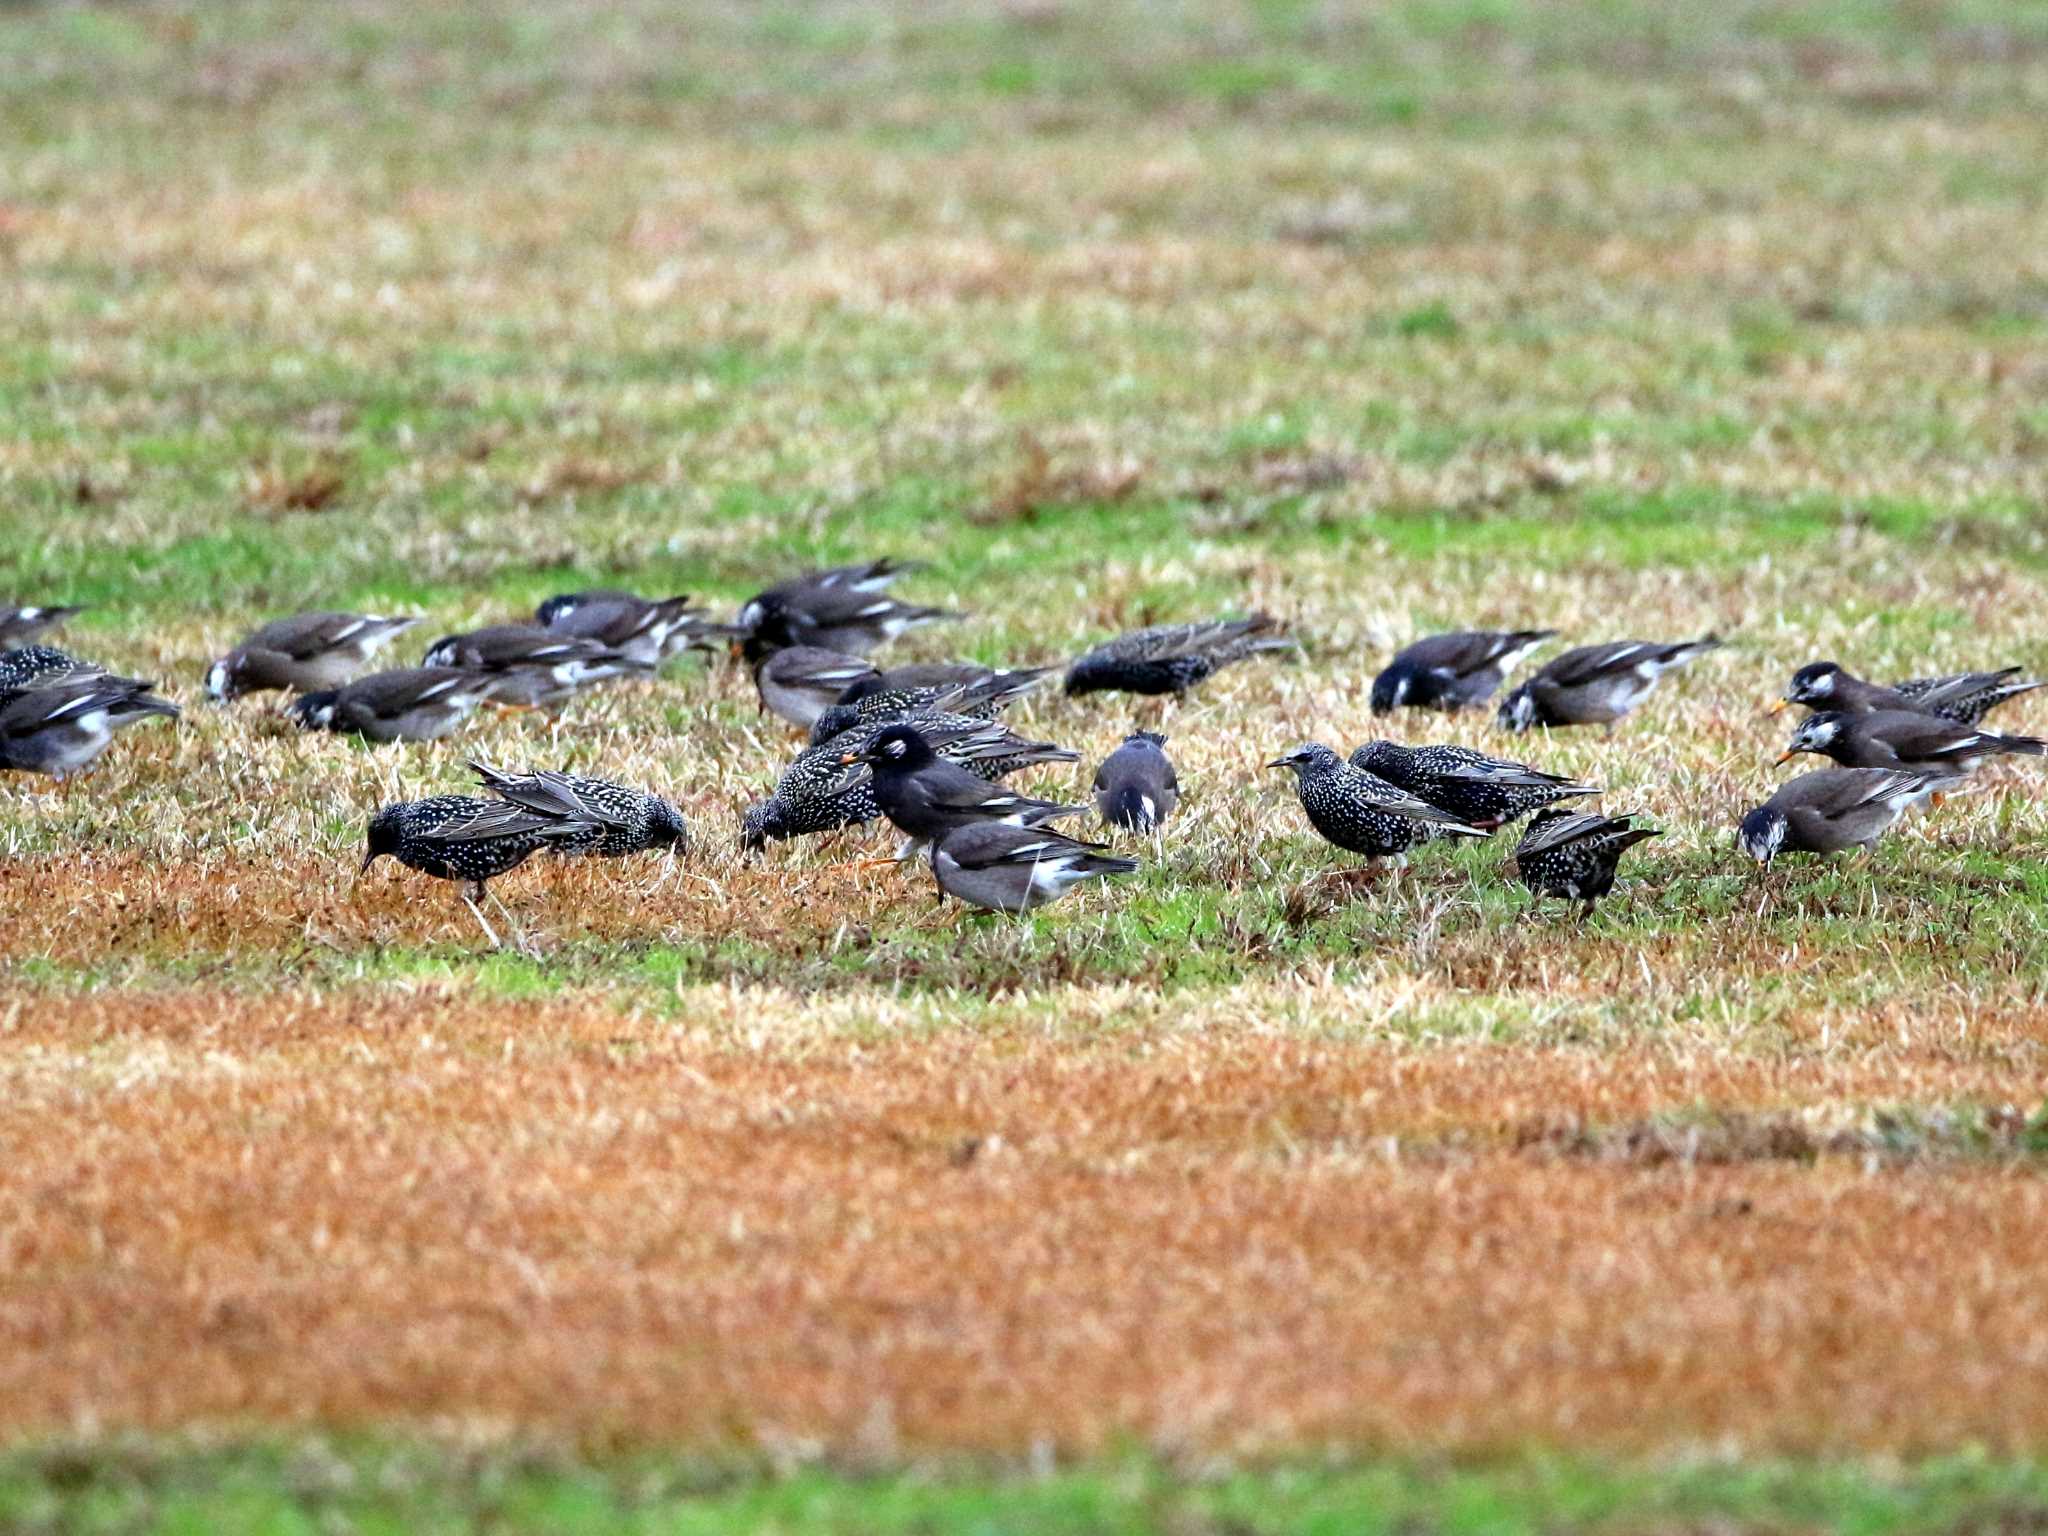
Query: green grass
(283, 1489)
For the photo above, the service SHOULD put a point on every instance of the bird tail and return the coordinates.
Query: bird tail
(2024, 746)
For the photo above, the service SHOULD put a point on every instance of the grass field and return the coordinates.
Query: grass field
(1238, 1200)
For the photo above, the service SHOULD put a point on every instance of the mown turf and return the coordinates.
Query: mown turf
(1619, 317)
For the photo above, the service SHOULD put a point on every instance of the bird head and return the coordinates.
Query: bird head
(894, 749)
(762, 824)
(441, 653)
(1310, 757)
(557, 608)
(1815, 734)
(665, 826)
(1517, 711)
(314, 711)
(836, 721)
(1812, 685)
(1391, 688)
(1762, 834)
(224, 677)
(385, 834)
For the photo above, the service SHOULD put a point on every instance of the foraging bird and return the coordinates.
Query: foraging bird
(1964, 697)
(1453, 672)
(1136, 787)
(916, 675)
(843, 609)
(1573, 854)
(1172, 658)
(817, 793)
(925, 796)
(622, 820)
(1596, 684)
(646, 631)
(983, 699)
(1835, 808)
(1481, 791)
(535, 666)
(20, 622)
(799, 683)
(1361, 812)
(42, 666)
(1004, 868)
(455, 837)
(305, 653)
(404, 704)
(1898, 738)
(60, 729)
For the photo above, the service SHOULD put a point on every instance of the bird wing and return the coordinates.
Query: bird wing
(505, 818)
(1557, 831)
(548, 793)
(1383, 796)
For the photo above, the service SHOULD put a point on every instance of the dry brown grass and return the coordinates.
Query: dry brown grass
(734, 1229)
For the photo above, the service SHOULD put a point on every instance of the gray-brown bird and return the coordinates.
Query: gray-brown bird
(1835, 809)
(1904, 739)
(1596, 684)
(304, 653)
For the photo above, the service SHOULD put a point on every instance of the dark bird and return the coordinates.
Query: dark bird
(305, 653)
(1595, 684)
(1897, 738)
(534, 666)
(1136, 787)
(645, 630)
(925, 796)
(799, 683)
(25, 621)
(984, 699)
(915, 675)
(1172, 658)
(1361, 812)
(1573, 854)
(41, 666)
(844, 609)
(455, 837)
(1003, 868)
(818, 793)
(60, 729)
(1453, 672)
(404, 704)
(621, 820)
(1479, 790)
(1834, 809)
(1964, 697)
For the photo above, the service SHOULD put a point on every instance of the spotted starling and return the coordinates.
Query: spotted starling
(40, 666)
(1136, 787)
(305, 653)
(455, 837)
(25, 621)
(842, 609)
(1834, 809)
(404, 704)
(1361, 812)
(1963, 697)
(1004, 868)
(1172, 658)
(819, 793)
(646, 631)
(1481, 791)
(1897, 738)
(925, 796)
(1573, 854)
(1596, 684)
(60, 729)
(1453, 672)
(622, 821)
(984, 699)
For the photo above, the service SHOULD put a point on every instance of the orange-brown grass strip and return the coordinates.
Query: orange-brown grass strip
(551, 1216)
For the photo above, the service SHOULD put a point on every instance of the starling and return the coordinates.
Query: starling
(621, 821)
(1897, 738)
(646, 631)
(1453, 672)
(1573, 855)
(818, 793)
(915, 675)
(61, 728)
(533, 666)
(306, 653)
(1596, 684)
(1136, 787)
(842, 609)
(925, 796)
(42, 666)
(1834, 809)
(1172, 658)
(1481, 791)
(404, 704)
(1361, 812)
(25, 621)
(1963, 697)
(455, 837)
(799, 683)
(1004, 868)
(984, 699)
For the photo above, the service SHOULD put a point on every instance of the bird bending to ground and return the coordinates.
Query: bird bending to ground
(1136, 787)
(1453, 672)
(1836, 808)
(62, 728)
(1574, 854)
(1003, 868)
(1596, 684)
(305, 653)
(622, 820)
(1172, 658)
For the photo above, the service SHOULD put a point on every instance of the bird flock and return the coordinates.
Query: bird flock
(925, 747)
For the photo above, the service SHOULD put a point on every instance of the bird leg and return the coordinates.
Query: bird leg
(1586, 913)
(477, 912)
(519, 941)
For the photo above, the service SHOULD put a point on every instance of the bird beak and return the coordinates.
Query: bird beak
(1281, 762)
(368, 860)
(1779, 706)
(848, 759)
(1785, 756)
